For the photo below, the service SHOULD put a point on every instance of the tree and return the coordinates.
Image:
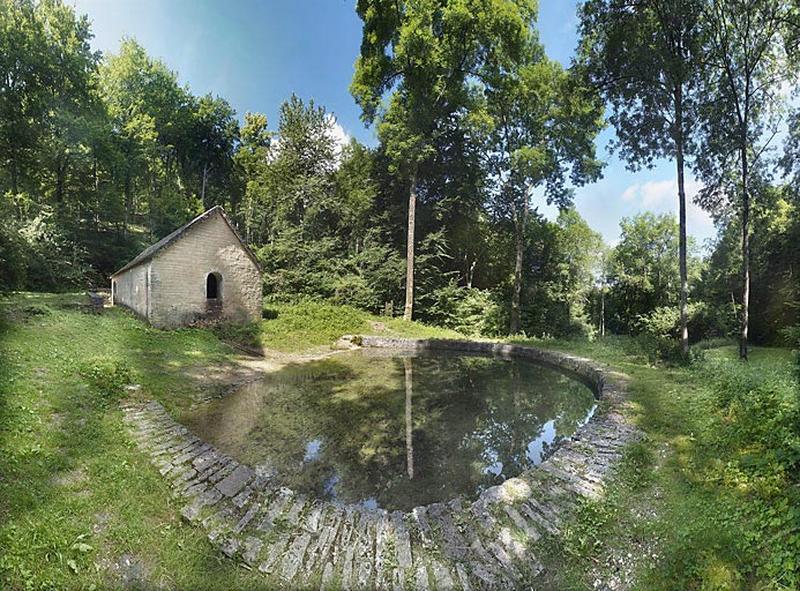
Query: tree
(214, 133)
(644, 273)
(581, 259)
(304, 156)
(746, 66)
(356, 191)
(544, 124)
(152, 118)
(24, 62)
(427, 54)
(775, 249)
(252, 160)
(646, 58)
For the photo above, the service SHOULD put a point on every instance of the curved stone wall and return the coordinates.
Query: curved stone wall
(587, 371)
(303, 542)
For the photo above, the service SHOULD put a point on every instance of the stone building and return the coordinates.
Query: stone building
(202, 270)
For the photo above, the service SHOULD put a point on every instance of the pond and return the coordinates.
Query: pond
(397, 430)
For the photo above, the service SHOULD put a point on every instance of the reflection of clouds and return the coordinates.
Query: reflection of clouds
(330, 486)
(370, 503)
(495, 468)
(536, 448)
(585, 420)
(312, 450)
(529, 411)
(335, 428)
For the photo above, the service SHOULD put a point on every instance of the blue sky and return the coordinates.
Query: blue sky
(256, 53)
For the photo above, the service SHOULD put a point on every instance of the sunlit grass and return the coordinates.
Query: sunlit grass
(76, 495)
(297, 327)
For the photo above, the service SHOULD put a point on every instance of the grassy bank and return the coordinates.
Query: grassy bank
(80, 507)
(709, 500)
(706, 502)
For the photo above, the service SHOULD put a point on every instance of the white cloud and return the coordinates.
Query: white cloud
(338, 134)
(661, 196)
(631, 192)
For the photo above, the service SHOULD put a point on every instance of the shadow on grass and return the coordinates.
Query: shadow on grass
(79, 505)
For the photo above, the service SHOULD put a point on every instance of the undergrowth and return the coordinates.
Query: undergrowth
(711, 499)
(294, 327)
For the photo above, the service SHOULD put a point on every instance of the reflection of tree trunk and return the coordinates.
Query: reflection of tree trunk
(409, 378)
(517, 445)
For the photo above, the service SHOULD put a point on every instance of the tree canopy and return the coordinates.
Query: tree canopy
(101, 155)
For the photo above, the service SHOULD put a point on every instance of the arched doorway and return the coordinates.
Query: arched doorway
(214, 286)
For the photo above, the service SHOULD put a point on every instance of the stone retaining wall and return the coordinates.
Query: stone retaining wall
(587, 371)
(301, 542)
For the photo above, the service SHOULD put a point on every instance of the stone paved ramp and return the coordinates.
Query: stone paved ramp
(299, 542)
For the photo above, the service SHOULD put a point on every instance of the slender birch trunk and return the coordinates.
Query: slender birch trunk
(684, 322)
(412, 207)
(745, 256)
(521, 218)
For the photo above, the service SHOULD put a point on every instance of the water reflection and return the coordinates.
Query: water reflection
(397, 431)
(408, 381)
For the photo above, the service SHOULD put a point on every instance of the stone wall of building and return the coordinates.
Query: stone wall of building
(130, 289)
(179, 273)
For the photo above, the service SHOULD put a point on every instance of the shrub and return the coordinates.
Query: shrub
(712, 321)
(470, 311)
(246, 335)
(353, 290)
(755, 427)
(657, 348)
(659, 333)
(792, 337)
(760, 415)
(309, 323)
(106, 376)
(662, 322)
(13, 257)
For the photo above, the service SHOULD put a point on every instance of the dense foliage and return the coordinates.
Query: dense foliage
(101, 155)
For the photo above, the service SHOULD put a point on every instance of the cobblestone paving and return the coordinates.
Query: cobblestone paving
(300, 542)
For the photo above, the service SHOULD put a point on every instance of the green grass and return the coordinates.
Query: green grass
(302, 326)
(688, 509)
(76, 496)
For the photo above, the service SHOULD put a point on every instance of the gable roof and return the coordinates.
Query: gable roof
(152, 250)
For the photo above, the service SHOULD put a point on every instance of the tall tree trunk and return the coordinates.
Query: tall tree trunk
(520, 219)
(412, 212)
(602, 311)
(203, 187)
(409, 383)
(471, 273)
(127, 205)
(14, 172)
(684, 322)
(745, 255)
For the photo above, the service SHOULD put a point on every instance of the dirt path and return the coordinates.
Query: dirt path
(220, 379)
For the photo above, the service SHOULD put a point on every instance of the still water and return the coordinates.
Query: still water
(395, 431)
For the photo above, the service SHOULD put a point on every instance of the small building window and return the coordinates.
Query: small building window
(213, 286)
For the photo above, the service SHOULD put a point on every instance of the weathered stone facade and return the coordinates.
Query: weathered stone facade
(201, 271)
